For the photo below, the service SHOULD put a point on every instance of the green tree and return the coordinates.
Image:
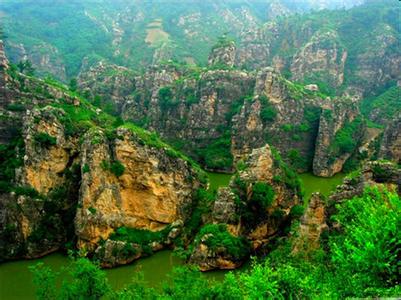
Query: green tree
(85, 280)
(368, 252)
(44, 280)
(73, 85)
(26, 67)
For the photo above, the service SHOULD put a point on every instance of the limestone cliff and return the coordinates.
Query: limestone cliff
(37, 210)
(374, 173)
(390, 147)
(107, 83)
(154, 190)
(341, 130)
(63, 159)
(218, 116)
(45, 58)
(255, 209)
(321, 59)
(312, 225)
(223, 54)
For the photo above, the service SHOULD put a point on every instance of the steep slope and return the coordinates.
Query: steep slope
(133, 33)
(219, 114)
(63, 159)
(247, 216)
(354, 50)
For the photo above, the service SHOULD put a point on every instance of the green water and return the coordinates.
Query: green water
(314, 184)
(16, 279)
(218, 180)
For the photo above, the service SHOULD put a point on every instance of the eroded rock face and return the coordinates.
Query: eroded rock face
(237, 208)
(289, 121)
(113, 84)
(240, 110)
(223, 55)
(374, 173)
(331, 151)
(197, 110)
(154, 191)
(45, 161)
(3, 75)
(322, 55)
(391, 143)
(60, 179)
(378, 63)
(36, 214)
(45, 58)
(313, 223)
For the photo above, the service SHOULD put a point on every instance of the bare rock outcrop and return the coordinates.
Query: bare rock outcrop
(249, 214)
(340, 131)
(223, 54)
(390, 147)
(152, 190)
(312, 224)
(322, 55)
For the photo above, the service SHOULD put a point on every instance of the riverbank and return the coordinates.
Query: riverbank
(16, 279)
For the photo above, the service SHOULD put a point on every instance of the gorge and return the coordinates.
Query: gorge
(181, 138)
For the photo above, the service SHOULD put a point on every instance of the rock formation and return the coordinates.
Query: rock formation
(340, 131)
(391, 143)
(323, 59)
(312, 224)
(67, 160)
(223, 54)
(255, 208)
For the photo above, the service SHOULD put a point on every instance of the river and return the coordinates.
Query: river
(16, 279)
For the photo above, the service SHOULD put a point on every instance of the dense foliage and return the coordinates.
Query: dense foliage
(362, 260)
(217, 237)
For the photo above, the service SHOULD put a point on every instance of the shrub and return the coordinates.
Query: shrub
(369, 250)
(115, 167)
(85, 168)
(44, 139)
(217, 156)
(16, 107)
(166, 98)
(139, 236)
(218, 237)
(346, 140)
(268, 112)
(262, 196)
(297, 211)
(27, 191)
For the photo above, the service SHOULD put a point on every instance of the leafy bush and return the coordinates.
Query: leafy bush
(27, 191)
(16, 107)
(297, 211)
(202, 200)
(115, 167)
(139, 236)
(166, 98)
(218, 237)
(346, 140)
(369, 250)
(268, 112)
(217, 156)
(10, 159)
(44, 139)
(262, 196)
